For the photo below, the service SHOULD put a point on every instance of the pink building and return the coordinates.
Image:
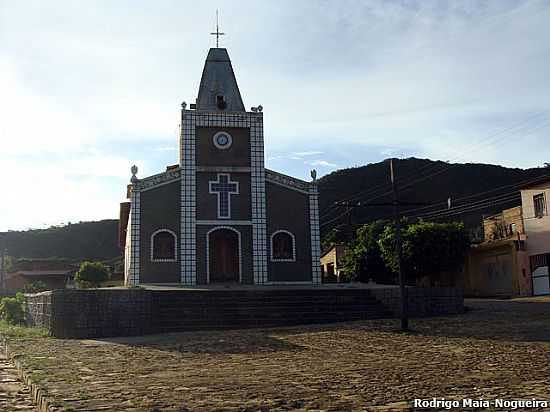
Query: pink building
(536, 221)
(514, 258)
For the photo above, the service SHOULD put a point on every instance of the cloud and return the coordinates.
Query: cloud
(310, 153)
(342, 84)
(322, 163)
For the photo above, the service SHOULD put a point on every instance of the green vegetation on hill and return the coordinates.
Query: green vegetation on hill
(79, 241)
(430, 181)
(99, 240)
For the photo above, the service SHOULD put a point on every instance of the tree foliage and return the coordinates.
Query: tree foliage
(12, 309)
(363, 260)
(428, 248)
(92, 274)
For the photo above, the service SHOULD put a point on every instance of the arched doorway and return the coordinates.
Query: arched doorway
(223, 255)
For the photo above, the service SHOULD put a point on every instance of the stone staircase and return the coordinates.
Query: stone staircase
(175, 310)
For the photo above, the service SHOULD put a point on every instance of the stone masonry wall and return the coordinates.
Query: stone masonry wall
(39, 309)
(422, 301)
(99, 313)
(91, 313)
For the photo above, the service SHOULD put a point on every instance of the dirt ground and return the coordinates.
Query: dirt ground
(498, 349)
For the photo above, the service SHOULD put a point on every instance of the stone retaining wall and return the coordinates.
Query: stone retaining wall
(100, 313)
(38, 311)
(422, 301)
(91, 313)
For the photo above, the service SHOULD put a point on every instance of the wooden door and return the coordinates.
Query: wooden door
(224, 256)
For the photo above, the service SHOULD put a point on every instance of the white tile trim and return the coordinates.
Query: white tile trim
(275, 182)
(156, 232)
(160, 184)
(224, 222)
(226, 169)
(188, 251)
(315, 234)
(293, 259)
(239, 251)
(132, 269)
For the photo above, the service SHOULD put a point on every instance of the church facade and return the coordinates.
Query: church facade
(220, 216)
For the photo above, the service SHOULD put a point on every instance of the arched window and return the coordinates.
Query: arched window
(283, 246)
(163, 246)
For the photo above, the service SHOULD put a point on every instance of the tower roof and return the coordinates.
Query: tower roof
(218, 90)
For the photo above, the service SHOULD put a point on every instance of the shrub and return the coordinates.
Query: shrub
(91, 274)
(12, 309)
(428, 248)
(35, 287)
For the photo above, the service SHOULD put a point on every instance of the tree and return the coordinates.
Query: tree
(363, 260)
(12, 309)
(91, 274)
(429, 249)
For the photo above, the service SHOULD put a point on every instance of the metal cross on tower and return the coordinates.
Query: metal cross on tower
(217, 33)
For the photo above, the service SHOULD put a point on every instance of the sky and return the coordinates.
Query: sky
(87, 89)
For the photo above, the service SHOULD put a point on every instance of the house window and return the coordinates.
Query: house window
(163, 246)
(540, 205)
(283, 246)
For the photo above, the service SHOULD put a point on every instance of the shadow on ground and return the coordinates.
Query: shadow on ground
(211, 342)
(518, 320)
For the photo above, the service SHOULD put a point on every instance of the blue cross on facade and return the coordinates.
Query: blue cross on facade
(224, 188)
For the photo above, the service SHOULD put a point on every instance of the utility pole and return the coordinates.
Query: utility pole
(398, 248)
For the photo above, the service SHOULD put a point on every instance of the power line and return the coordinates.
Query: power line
(521, 126)
(462, 198)
(468, 209)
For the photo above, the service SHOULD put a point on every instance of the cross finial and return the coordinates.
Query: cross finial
(217, 33)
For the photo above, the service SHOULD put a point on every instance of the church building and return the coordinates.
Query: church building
(220, 216)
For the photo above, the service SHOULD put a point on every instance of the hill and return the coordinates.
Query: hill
(488, 189)
(85, 240)
(474, 189)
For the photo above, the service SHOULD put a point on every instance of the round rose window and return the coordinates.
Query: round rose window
(222, 140)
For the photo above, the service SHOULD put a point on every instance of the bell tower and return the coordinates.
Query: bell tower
(223, 211)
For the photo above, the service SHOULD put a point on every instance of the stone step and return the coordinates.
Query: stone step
(217, 318)
(261, 300)
(203, 310)
(246, 323)
(169, 306)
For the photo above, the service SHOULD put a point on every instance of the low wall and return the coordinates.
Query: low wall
(101, 313)
(91, 313)
(38, 309)
(422, 301)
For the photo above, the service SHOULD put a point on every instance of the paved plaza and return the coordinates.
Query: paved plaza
(497, 349)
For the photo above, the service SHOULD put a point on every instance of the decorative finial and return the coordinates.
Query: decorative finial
(183, 105)
(217, 33)
(260, 108)
(134, 171)
(314, 175)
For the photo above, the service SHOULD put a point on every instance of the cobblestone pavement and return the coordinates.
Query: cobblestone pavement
(14, 396)
(498, 349)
